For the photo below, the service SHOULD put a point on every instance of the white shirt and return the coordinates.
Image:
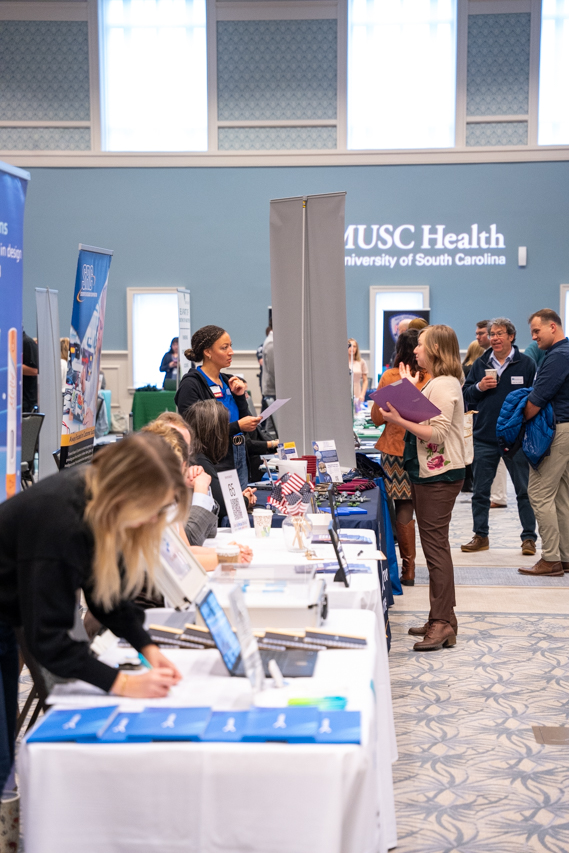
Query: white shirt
(205, 501)
(493, 362)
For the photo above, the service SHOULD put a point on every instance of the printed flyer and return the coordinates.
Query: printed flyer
(327, 463)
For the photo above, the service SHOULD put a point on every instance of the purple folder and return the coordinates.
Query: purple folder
(407, 400)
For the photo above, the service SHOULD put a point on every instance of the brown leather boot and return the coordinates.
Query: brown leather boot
(547, 568)
(421, 630)
(565, 566)
(477, 543)
(438, 634)
(407, 550)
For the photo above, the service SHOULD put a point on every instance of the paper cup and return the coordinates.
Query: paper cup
(227, 553)
(262, 519)
(492, 373)
(9, 821)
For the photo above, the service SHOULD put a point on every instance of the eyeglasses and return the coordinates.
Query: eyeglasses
(497, 334)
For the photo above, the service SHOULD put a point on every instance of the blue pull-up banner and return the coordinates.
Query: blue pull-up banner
(85, 344)
(13, 186)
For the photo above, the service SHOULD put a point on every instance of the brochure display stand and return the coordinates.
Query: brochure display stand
(309, 319)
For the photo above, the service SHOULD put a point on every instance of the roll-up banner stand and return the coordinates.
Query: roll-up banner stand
(13, 187)
(49, 385)
(308, 288)
(184, 331)
(85, 344)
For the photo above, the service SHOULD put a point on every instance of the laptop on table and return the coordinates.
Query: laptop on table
(293, 663)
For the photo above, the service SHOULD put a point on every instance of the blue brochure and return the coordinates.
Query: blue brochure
(119, 729)
(226, 726)
(72, 725)
(170, 724)
(346, 510)
(291, 725)
(345, 538)
(352, 568)
(339, 727)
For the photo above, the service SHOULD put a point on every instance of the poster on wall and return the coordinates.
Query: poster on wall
(13, 186)
(391, 321)
(184, 331)
(85, 344)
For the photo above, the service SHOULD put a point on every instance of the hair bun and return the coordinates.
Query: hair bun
(190, 355)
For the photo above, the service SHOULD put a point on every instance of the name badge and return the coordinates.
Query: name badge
(517, 380)
(216, 391)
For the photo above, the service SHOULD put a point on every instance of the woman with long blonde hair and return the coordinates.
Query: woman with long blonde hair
(94, 528)
(359, 370)
(434, 460)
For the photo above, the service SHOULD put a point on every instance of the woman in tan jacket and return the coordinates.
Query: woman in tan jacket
(434, 460)
(391, 443)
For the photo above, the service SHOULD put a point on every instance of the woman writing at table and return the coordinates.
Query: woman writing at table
(211, 345)
(434, 460)
(95, 528)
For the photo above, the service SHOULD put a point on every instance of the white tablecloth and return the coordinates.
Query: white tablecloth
(224, 798)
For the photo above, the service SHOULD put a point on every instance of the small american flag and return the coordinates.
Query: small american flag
(291, 495)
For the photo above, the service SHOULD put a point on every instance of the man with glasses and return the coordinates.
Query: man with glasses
(493, 376)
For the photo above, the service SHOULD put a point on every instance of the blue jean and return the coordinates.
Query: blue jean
(485, 465)
(240, 460)
(9, 668)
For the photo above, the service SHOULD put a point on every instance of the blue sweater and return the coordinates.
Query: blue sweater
(488, 403)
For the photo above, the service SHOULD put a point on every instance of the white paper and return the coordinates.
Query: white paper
(327, 465)
(234, 501)
(274, 407)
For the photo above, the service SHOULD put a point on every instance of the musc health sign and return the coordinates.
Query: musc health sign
(423, 246)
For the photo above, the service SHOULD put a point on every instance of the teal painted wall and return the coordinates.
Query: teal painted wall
(208, 229)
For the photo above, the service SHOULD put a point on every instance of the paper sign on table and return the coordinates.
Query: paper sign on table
(327, 462)
(274, 407)
(286, 450)
(411, 403)
(234, 501)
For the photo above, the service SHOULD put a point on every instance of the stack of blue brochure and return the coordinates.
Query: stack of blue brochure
(170, 724)
(304, 724)
(83, 724)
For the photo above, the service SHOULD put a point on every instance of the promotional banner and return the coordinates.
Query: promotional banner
(184, 331)
(13, 186)
(85, 343)
(50, 399)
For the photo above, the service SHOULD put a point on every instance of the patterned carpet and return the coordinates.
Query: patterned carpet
(471, 777)
(494, 576)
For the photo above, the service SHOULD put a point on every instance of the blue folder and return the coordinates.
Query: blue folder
(170, 724)
(339, 727)
(332, 567)
(288, 725)
(226, 726)
(82, 724)
(119, 729)
(346, 510)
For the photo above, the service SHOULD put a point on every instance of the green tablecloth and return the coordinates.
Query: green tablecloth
(147, 405)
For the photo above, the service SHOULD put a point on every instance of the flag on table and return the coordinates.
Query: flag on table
(291, 495)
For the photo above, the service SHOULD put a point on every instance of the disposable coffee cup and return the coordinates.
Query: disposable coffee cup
(228, 553)
(262, 519)
(492, 373)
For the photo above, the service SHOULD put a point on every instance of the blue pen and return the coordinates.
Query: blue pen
(143, 661)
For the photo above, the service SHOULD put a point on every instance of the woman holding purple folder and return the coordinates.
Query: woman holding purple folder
(434, 460)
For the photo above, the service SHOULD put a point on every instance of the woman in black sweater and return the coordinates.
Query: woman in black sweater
(94, 528)
(209, 425)
(211, 345)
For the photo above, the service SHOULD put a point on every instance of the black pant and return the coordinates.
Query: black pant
(9, 667)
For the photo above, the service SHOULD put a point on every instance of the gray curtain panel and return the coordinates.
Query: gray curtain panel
(309, 320)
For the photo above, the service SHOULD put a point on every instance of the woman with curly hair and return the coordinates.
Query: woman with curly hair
(211, 348)
(434, 460)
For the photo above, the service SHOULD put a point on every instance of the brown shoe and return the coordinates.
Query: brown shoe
(565, 566)
(528, 547)
(544, 568)
(406, 540)
(498, 506)
(421, 630)
(438, 634)
(477, 543)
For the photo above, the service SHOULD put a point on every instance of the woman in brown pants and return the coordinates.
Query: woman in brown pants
(391, 443)
(434, 460)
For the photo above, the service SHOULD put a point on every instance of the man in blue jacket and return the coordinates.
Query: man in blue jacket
(549, 484)
(500, 370)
